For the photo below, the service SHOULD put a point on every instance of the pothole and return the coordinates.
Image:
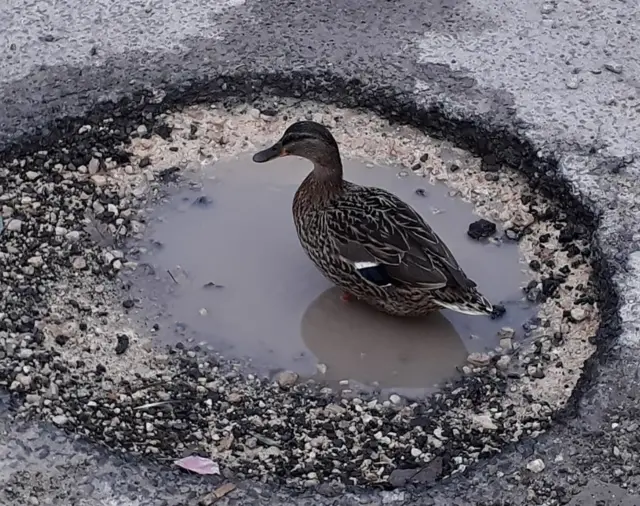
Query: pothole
(73, 351)
(222, 265)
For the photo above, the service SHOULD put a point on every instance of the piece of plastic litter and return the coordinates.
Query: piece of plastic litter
(199, 465)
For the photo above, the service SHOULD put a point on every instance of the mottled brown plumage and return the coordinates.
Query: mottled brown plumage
(366, 240)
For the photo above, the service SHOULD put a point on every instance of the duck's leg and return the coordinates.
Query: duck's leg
(346, 297)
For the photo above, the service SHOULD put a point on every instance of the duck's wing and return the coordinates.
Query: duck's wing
(389, 243)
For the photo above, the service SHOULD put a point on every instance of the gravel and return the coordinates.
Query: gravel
(70, 353)
(536, 466)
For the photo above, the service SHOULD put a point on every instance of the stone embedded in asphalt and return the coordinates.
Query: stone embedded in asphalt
(614, 67)
(572, 83)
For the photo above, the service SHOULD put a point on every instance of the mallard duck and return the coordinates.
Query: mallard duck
(368, 242)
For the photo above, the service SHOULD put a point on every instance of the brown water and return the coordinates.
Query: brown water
(227, 269)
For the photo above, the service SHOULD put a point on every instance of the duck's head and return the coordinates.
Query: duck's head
(307, 139)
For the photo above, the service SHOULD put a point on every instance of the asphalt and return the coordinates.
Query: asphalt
(551, 87)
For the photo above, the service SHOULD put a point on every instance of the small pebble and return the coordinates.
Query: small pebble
(506, 343)
(536, 466)
(94, 166)
(73, 236)
(60, 420)
(14, 225)
(572, 83)
(395, 399)
(286, 379)
(479, 359)
(547, 8)
(578, 314)
(99, 180)
(123, 344)
(481, 229)
(614, 67)
(79, 263)
(506, 333)
(503, 362)
(485, 422)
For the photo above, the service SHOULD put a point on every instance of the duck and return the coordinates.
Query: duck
(367, 241)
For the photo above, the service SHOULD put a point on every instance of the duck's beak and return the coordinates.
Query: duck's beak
(274, 151)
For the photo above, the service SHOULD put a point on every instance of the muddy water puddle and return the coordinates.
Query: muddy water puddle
(221, 264)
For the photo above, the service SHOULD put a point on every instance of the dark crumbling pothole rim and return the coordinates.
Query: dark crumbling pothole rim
(473, 135)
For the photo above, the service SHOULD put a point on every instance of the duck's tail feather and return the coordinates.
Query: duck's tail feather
(471, 302)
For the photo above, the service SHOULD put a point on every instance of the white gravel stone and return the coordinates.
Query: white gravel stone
(506, 333)
(503, 362)
(25, 353)
(99, 179)
(506, 343)
(79, 263)
(52, 392)
(73, 236)
(36, 261)
(286, 379)
(479, 359)
(485, 422)
(14, 225)
(578, 314)
(98, 208)
(94, 166)
(60, 420)
(614, 67)
(536, 466)
(33, 399)
(24, 380)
